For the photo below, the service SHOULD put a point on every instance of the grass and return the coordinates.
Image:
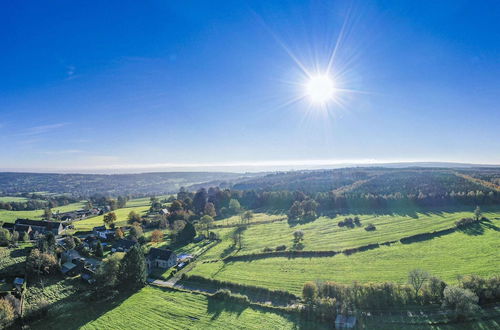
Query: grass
(257, 217)
(8, 199)
(11, 216)
(12, 260)
(324, 233)
(121, 218)
(447, 257)
(153, 308)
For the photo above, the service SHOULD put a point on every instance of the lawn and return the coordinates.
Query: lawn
(12, 260)
(121, 218)
(448, 256)
(324, 233)
(153, 308)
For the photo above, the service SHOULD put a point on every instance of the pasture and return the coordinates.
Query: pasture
(121, 218)
(448, 256)
(11, 216)
(154, 308)
(324, 233)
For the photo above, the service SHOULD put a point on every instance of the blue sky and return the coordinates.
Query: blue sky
(160, 85)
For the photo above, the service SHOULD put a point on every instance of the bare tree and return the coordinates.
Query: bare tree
(417, 278)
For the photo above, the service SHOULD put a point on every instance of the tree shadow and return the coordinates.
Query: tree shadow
(489, 224)
(215, 307)
(473, 229)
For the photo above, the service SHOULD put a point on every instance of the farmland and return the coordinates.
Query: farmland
(11, 216)
(159, 309)
(324, 233)
(447, 257)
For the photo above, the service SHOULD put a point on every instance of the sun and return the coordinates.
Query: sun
(320, 89)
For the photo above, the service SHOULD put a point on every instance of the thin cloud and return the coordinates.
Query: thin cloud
(61, 152)
(42, 129)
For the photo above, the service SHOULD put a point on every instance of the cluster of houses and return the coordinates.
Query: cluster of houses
(81, 214)
(35, 227)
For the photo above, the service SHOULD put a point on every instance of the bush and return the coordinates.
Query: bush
(370, 227)
(267, 249)
(463, 302)
(226, 295)
(347, 222)
(309, 291)
(464, 222)
(281, 248)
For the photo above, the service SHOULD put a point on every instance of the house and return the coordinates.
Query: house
(343, 322)
(103, 233)
(123, 245)
(164, 212)
(33, 227)
(70, 255)
(160, 258)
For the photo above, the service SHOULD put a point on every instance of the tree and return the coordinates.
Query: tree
(98, 251)
(108, 272)
(296, 211)
(69, 242)
(15, 237)
(309, 291)
(133, 269)
(119, 233)
(47, 214)
(199, 200)
(206, 221)
(210, 210)
(6, 313)
(417, 278)
(109, 219)
(157, 236)
(463, 302)
(247, 216)
(134, 217)
(121, 201)
(234, 206)
(5, 237)
(477, 213)
(298, 237)
(309, 206)
(24, 236)
(40, 263)
(136, 231)
(187, 234)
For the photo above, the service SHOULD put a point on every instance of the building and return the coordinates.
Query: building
(123, 245)
(102, 232)
(345, 322)
(33, 227)
(160, 258)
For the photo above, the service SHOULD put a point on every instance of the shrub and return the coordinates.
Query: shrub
(347, 222)
(267, 249)
(370, 227)
(281, 248)
(463, 302)
(309, 291)
(226, 295)
(464, 222)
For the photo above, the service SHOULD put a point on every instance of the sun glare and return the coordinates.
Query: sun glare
(320, 89)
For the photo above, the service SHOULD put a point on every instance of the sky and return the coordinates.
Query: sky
(149, 85)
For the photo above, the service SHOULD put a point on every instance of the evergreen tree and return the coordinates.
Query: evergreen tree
(187, 234)
(133, 269)
(99, 252)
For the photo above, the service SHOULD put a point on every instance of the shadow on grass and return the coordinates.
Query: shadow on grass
(215, 307)
(78, 309)
(474, 229)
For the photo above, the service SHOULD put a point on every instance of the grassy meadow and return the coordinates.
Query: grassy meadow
(153, 308)
(11, 216)
(448, 256)
(324, 233)
(121, 218)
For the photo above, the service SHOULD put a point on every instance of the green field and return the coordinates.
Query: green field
(153, 308)
(448, 256)
(121, 218)
(11, 216)
(324, 233)
(8, 199)
(257, 217)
